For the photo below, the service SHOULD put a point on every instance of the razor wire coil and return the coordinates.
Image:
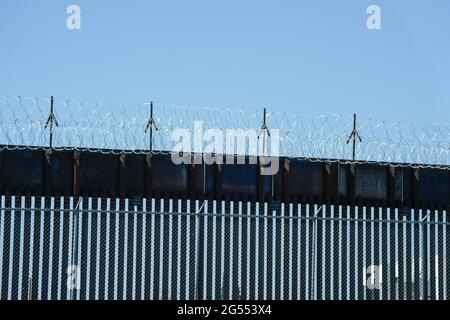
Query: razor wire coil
(110, 127)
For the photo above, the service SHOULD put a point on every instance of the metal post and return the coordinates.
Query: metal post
(264, 117)
(51, 122)
(198, 247)
(314, 255)
(151, 129)
(150, 125)
(30, 288)
(75, 213)
(354, 141)
(353, 136)
(51, 118)
(148, 159)
(263, 130)
(425, 258)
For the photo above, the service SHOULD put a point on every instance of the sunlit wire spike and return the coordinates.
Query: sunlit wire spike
(264, 127)
(151, 123)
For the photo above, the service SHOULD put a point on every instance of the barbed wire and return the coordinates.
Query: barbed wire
(110, 127)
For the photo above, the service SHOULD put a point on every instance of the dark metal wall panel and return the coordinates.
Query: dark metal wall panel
(22, 171)
(135, 174)
(168, 178)
(98, 173)
(399, 184)
(371, 182)
(434, 185)
(240, 180)
(205, 180)
(343, 180)
(306, 178)
(61, 164)
(407, 190)
(277, 185)
(268, 183)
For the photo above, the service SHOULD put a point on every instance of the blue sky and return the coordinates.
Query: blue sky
(310, 56)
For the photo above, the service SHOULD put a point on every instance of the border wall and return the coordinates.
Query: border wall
(97, 174)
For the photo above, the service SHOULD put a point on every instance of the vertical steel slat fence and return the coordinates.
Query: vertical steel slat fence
(93, 248)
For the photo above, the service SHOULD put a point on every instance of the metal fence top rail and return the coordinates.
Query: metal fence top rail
(113, 127)
(228, 209)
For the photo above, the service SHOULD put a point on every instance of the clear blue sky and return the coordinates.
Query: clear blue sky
(310, 56)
